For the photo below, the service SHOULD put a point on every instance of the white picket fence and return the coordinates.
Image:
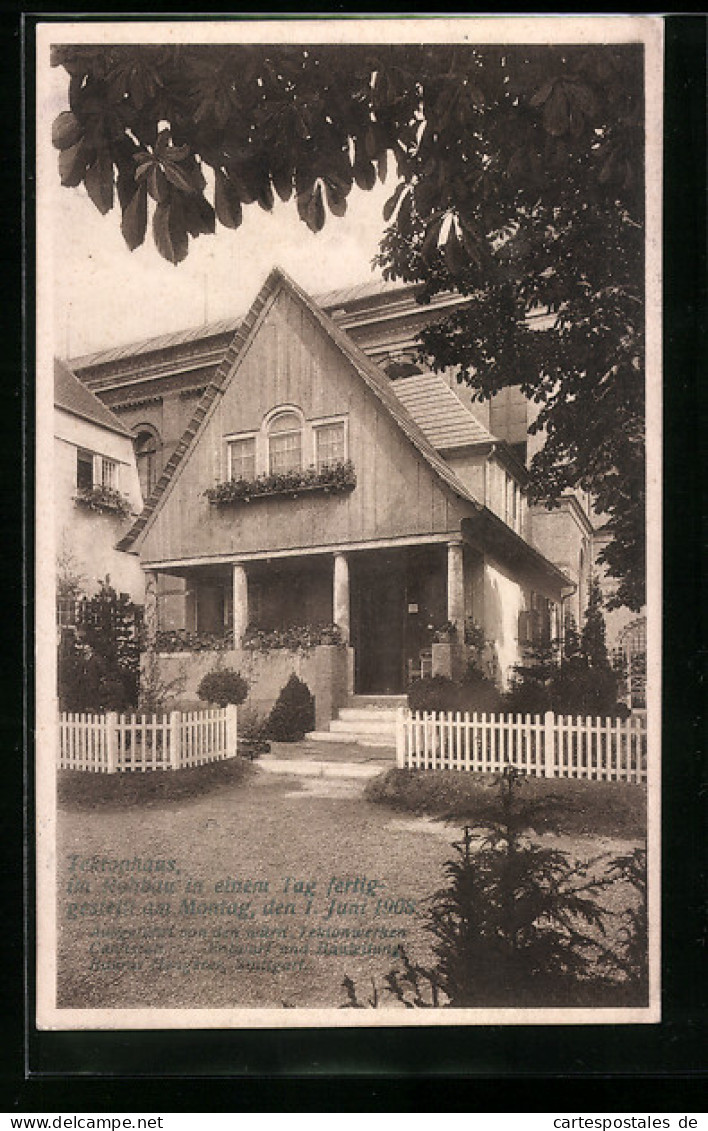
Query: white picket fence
(113, 743)
(550, 746)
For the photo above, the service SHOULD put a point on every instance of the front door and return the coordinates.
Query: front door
(379, 630)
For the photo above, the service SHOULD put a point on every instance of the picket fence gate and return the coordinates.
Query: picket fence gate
(113, 743)
(550, 746)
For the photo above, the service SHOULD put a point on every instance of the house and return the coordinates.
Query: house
(309, 490)
(154, 385)
(96, 490)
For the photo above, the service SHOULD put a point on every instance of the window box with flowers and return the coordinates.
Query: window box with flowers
(181, 640)
(332, 479)
(104, 499)
(295, 638)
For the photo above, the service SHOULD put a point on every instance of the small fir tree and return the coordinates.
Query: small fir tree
(518, 923)
(293, 713)
(593, 640)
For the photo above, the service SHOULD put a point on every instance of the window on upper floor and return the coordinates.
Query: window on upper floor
(242, 458)
(330, 444)
(108, 473)
(84, 470)
(284, 443)
(93, 470)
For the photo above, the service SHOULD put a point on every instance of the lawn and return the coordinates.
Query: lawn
(562, 805)
(245, 889)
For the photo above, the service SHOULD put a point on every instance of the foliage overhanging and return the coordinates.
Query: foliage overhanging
(519, 184)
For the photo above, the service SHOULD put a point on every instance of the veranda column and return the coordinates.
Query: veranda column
(340, 602)
(150, 618)
(240, 591)
(455, 587)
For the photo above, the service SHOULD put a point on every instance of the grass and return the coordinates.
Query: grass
(263, 827)
(231, 819)
(79, 790)
(564, 806)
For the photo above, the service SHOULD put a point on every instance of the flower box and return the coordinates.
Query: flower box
(295, 638)
(181, 640)
(332, 480)
(103, 499)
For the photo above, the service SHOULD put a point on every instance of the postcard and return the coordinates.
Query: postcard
(348, 522)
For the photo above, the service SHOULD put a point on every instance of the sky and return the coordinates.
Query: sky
(105, 295)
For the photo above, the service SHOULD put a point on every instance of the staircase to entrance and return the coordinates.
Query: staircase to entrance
(368, 720)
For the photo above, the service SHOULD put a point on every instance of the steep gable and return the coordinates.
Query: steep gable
(260, 324)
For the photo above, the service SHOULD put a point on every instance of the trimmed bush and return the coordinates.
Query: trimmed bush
(223, 686)
(293, 713)
(474, 692)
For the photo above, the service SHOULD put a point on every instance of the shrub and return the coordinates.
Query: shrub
(223, 686)
(99, 664)
(293, 713)
(521, 924)
(474, 692)
(252, 733)
(580, 689)
(584, 683)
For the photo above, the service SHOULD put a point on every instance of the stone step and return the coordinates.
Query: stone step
(363, 726)
(385, 702)
(309, 768)
(373, 715)
(358, 738)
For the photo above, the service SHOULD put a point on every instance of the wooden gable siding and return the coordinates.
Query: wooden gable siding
(291, 361)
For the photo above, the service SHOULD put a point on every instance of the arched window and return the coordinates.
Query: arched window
(284, 443)
(147, 455)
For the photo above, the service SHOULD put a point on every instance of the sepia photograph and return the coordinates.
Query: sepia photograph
(348, 522)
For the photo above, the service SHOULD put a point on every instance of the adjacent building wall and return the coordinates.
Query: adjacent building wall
(89, 536)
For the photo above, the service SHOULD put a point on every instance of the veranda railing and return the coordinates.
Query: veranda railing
(551, 746)
(113, 743)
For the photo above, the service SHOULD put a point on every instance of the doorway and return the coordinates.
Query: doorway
(378, 608)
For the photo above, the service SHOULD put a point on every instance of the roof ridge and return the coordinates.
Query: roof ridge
(204, 330)
(367, 369)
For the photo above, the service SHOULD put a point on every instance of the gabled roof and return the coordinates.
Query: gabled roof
(442, 416)
(377, 382)
(71, 395)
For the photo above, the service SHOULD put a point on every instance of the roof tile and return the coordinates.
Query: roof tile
(439, 412)
(72, 395)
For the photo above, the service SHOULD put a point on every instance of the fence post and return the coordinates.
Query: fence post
(400, 739)
(548, 744)
(111, 742)
(175, 736)
(231, 730)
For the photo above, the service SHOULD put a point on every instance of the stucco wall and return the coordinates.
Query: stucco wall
(90, 536)
(562, 538)
(503, 601)
(323, 669)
